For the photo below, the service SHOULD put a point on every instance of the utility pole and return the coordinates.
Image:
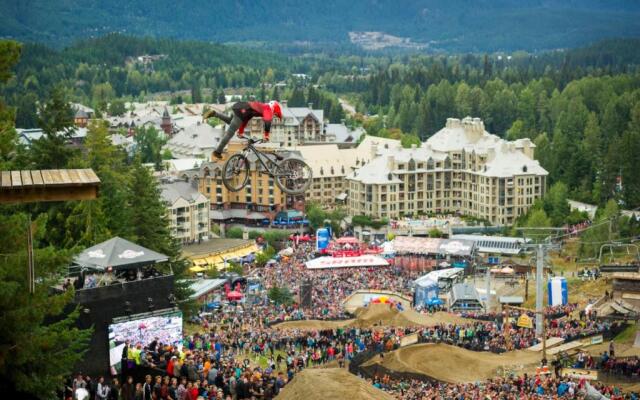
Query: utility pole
(539, 289)
(488, 288)
(31, 270)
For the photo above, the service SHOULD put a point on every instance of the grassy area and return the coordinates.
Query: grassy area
(628, 335)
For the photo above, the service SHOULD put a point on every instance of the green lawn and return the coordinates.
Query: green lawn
(628, 335)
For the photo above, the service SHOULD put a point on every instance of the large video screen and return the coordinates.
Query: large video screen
(144, 329)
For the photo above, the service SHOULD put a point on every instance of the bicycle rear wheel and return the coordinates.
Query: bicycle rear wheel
(235, 172)
(293, 176)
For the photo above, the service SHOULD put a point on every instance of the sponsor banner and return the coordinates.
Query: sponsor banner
(580, 373)
(524, 321)
(409, 340)
(597, 339)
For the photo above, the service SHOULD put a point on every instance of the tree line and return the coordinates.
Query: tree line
(41, 338)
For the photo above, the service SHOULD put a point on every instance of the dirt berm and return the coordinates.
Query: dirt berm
(330, 383)
(454, 364)
(378, 315)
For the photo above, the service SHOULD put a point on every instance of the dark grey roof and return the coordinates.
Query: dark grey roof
(173, 191)
(81, 114)
(464, 291)
(117, 253)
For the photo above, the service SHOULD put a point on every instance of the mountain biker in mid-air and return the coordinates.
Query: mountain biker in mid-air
(242, 113)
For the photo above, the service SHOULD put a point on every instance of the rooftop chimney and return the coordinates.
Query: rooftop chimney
(453, 123)
(310, 106)
(374, 149)
(391, 161)
(284, 103)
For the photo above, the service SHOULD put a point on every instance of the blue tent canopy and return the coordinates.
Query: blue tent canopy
(425, 291)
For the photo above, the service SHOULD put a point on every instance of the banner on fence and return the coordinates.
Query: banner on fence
(597, 339)
(578, 373)
(409, 339)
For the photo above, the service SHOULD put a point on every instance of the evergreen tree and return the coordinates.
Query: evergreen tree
(148, 212)
(109, 163)
(149, 145)
(116, 108)
(56, 121)
(196, 93)
(9, 54)
(275, 95)
(39, 341)
(297, 98)
(221, 97)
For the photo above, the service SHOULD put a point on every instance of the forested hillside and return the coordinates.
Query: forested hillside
(451, 25)
(581, 107)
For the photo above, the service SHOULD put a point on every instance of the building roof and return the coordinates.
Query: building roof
(376, 171)
(214, 246)
(171, 192)
(495, 244)
(183, 164)
(342, 133)
(327, 160)
(27, 136)
(235, 214)
(464, 291)
(195, 140)
(117, 253)
(200, 287)
(503, 158)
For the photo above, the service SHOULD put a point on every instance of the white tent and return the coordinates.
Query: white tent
(387, 248)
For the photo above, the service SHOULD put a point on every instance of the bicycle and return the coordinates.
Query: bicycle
(291, 175)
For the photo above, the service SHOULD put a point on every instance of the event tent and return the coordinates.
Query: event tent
(420, 245)
(426, 290)
(346, 262)
(117, 253)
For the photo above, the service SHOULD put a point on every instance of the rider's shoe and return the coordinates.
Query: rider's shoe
(217, 155)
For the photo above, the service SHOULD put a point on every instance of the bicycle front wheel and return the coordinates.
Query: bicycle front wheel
(293, 176)
(235, 172)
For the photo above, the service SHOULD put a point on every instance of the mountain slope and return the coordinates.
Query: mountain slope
(461, 25)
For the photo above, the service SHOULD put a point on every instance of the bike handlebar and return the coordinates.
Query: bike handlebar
(252, 140)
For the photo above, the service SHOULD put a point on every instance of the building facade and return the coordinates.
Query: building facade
(331, 165)
(461, 168)
(298, 125)
(260, 200)
(188, 211)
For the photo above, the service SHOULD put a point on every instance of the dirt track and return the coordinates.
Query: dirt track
(330, 383)
(377, 315)
(454, 364)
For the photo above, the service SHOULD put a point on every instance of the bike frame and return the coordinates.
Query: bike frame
(259, 155)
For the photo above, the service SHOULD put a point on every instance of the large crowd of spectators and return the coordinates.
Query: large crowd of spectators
(227, 359)
(527, 387)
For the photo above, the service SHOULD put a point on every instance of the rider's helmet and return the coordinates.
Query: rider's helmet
(275, 108)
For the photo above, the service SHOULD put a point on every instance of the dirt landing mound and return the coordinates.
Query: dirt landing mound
(454, 364)
(330, 383)
(312, 324)
(378, 315)
(385, 315)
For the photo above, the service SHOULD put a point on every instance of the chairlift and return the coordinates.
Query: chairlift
(613, 245)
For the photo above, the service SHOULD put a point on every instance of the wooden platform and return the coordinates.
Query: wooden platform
(48, 185)
(552, 341)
